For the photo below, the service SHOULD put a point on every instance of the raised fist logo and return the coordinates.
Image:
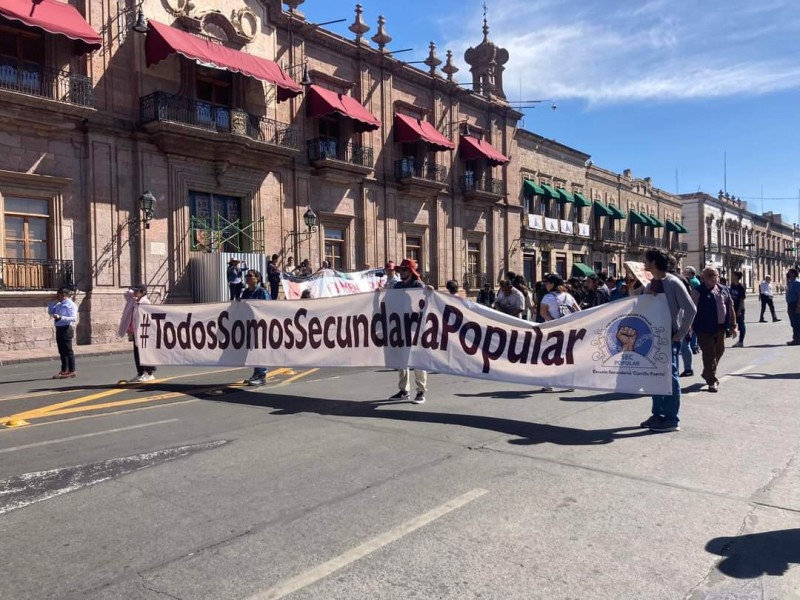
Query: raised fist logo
(627, 337)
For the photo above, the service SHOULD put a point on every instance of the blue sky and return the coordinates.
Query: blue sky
(662, 87)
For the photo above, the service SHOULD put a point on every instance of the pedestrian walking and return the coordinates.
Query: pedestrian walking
(134, 296)
(410, 279)
(665, 408)
(596, 291)
(274, 277)
(234, 275)
(765, 295)
(738, 295)
(793, 304)
(714, 322)
(556, 303)
(255, 290)
(64, 313)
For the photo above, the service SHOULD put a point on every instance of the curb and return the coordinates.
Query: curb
(28, 359)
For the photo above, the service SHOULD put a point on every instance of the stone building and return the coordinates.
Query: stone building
(729, 237)
(238, 116)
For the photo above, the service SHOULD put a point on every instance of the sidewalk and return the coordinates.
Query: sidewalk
(12, 357)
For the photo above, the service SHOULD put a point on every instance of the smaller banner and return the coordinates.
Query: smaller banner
(329, 283)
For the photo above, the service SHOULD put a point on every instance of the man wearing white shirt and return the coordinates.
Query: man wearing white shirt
(765, 293)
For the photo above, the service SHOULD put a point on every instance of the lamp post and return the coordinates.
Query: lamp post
(310, 220)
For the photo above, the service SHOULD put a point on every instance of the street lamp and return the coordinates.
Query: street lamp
(147, 206)
(310, 220)
(306, 80)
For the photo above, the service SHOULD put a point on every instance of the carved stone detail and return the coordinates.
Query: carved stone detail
(246, 23)
(180, 8)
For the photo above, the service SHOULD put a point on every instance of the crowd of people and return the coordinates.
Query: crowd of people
(705, 311)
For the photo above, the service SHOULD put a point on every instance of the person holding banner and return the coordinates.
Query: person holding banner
(682, 310)
(255, 291)
(390, 276)
(135, 296)
(409, 279)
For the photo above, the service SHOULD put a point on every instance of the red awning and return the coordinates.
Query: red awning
(472, 148)
(409, 129)
(325, 102)
(163, 40)
(53, 17)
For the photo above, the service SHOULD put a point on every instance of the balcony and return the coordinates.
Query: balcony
(339, 161)
(475, 281)
(34, 275)
(30, 88)
(420, 177)
(646, 241)
(682, 247)
(482, 188)
(607, 239)
(184, 126)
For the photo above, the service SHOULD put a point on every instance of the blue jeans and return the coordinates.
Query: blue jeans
(693, 343)
(794, 319)
(259, 372)
(742, 326)
(687, 355)
(669, 406)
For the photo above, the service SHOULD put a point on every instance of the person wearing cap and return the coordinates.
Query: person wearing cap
(64, 313)
(136, 295)
(389, 277)
(409, 279)
(234, 275)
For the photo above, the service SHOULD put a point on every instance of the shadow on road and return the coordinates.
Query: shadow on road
(756, 554)
(769, 375)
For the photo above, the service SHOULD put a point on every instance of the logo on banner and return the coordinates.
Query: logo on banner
(630, 341)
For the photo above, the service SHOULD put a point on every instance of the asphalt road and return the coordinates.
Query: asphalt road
(316, 486)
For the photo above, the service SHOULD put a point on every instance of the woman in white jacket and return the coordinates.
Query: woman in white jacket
(136, 295)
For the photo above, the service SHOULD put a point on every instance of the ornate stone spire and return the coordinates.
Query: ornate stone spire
(382, 38)
(432, 61)
(359, 27)
(486, 64)
(449, 68)
(293, 4)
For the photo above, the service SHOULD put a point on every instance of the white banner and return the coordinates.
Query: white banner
(329, 283)
(623, 346)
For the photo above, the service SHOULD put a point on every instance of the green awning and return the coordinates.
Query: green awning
(683, 229)
(565, 196)
(580, 200)
(581, 270)
(551, 192)
(601, 209)
(615, 212)
(637, 218)
(531, 187)
(672, 226)
(656, 222)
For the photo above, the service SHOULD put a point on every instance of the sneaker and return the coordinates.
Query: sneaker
(256, 381)
(713, 387)
(687, 373)
(419, 398)
(651, 421)
(738, 345)
(401, 395)
(137, 379)
(762, 320)
(665, 426)
(775, 320)
(148, 377)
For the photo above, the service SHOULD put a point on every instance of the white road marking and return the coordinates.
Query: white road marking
(85, 435)
(312, 576)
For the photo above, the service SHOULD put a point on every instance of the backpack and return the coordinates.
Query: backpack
(565, 307)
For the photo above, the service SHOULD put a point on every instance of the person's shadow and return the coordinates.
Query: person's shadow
(756, 554)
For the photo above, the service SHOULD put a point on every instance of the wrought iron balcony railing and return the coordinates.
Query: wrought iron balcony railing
(28, 275)
(408, 168)
(680, 246)
(333, 149)
(469, 183)
(37, 80)
(475, 281)
(646, 241)
(619, 237)
(169, 108)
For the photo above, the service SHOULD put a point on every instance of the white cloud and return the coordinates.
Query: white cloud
(603, 51)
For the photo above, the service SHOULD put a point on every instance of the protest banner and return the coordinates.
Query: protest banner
(623, 346)
(329, 283)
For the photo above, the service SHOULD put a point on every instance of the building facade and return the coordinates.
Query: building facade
(729, 237)
(393, 161)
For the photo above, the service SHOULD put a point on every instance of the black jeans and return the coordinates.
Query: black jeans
(765, 302)
(140, 370)
(64, 337)
(236, 290)
(274, 288)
